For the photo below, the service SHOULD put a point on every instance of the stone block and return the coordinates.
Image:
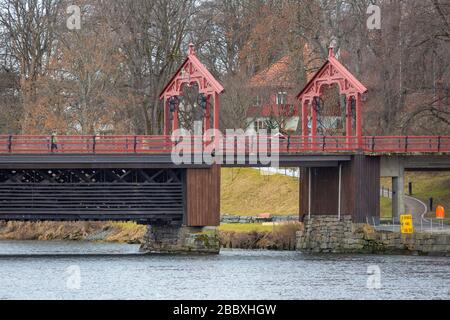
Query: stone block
(177, 239)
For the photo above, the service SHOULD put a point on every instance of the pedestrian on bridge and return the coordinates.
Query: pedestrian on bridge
(54, 141)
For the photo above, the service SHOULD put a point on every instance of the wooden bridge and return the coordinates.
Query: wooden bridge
(46, 177)
(134, 177)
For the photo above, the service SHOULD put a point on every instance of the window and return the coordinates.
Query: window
(257, 101)
(260, 124)
(282, 98)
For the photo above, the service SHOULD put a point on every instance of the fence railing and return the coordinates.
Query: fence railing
(248, 144)
(434, 224)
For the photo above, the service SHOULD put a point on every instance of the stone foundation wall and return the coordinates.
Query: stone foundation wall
(327, 234)
(178, 239)
(255, 219)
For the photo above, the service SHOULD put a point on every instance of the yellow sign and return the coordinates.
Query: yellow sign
(406, 223)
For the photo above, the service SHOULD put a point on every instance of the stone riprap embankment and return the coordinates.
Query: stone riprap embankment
(327, 234)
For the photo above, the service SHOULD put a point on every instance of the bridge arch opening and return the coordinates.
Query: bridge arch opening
(260, 191)
(191, 109)
(330, 108)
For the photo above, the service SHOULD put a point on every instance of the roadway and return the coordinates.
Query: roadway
(418, 209)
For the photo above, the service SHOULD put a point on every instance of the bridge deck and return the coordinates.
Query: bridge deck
(32, 144)
(143, 161)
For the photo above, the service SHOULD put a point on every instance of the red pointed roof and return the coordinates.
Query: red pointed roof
(332, 72)
(191, 71)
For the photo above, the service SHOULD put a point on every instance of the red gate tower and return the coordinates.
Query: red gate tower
(191, 72)
(332, 72)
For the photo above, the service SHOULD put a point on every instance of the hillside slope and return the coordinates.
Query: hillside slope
(244, 191)
(425, 185)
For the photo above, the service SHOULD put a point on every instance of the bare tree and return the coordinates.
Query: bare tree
(154, 36)
(27, 35)
(235, 103)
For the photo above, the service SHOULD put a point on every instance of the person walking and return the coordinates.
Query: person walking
(54, 141)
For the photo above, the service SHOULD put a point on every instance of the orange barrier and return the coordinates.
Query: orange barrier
(440, 212)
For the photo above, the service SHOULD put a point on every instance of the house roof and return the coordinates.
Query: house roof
(191, 71)
(274, 110)
(331, 72)
(287, 111)
(276, 75)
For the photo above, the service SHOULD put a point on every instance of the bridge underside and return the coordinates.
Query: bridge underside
(150, 161)
(142, 195)
(352, 189)
(151, 189)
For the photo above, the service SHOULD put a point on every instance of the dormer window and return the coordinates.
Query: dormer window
(282, 98)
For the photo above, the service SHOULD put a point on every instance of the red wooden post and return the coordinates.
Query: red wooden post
(359, 121)
(348, 121)
(175, 119)
(166, 116)
(305, 122)
(313, 122)
(216, 111)
(207, 117)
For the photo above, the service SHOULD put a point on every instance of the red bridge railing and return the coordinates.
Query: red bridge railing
(164, 144)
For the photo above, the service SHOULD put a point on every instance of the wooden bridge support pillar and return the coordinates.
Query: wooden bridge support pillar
(352, 189)
(202, 197)
(202, 209)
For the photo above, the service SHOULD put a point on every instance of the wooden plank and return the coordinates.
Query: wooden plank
(367, 188)
(203, 197)
(324, 194)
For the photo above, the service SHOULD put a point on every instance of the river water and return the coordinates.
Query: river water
(85, 270)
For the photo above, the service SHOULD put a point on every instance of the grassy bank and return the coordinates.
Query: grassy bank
(127, 232)
(247, 227)
(386, 208)
(254, 236)
(245, 192)
(431, 184)
(244, 236)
